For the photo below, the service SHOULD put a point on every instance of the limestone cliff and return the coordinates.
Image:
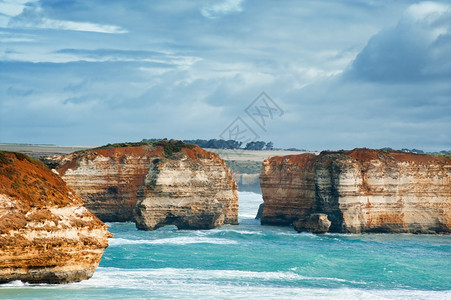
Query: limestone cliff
(357, 191)
(107, 179)
(46, 235)
(175, 183)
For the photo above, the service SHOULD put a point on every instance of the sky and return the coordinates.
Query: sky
(319, 74)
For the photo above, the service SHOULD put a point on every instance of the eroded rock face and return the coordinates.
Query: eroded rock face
(107, 179)
(361, 190)
(288, 188)
(46, 235)
(192, 190)
(185, 213)
(188, 186)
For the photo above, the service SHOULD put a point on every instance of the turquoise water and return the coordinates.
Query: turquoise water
(250, 261)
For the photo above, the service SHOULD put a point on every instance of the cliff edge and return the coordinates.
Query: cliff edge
(356, 191)
(46, 235)
(154, 184)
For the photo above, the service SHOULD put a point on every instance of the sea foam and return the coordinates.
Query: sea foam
(185, 240)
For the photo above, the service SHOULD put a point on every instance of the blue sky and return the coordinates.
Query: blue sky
(344, 74)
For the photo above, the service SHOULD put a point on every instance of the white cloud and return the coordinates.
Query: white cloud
(13, 7)
(416, 49)
(79, 26)
(428, 15)
(221, 9)
(7, 37)
(426, 10)
(179, 74)
(32, 17)
(46, 23)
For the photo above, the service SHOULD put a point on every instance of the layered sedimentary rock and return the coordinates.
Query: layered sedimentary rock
(46, 235)
(165, 183)
(357, 191)
(107, 179)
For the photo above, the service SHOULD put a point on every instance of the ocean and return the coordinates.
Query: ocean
(250, 261)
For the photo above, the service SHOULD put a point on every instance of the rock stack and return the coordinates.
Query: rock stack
(356, 191)
(46, 235)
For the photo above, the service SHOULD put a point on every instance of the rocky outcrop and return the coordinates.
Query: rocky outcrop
(46, 235)
(192, 190)
(358, 191)
(163, 183)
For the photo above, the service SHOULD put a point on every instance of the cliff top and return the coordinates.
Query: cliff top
(161, 149)
(164, 148)
(365, 154)
(25, 178)
(169, 146)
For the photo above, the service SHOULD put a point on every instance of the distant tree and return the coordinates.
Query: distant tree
(257, 145)
(211, 143)
(232, 144)
(269, 146)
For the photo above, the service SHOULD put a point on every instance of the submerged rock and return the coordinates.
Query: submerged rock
(46, 235)
(154, 184)
(357, 191)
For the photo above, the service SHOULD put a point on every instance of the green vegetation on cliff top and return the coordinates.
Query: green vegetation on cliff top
(169, 146)
(20, 156)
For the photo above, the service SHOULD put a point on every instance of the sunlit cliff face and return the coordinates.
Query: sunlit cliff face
(46, 235)
(358, 191)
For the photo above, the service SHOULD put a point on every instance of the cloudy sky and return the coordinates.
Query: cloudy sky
(337, 74)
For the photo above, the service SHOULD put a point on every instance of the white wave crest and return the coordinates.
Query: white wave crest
(173, 241)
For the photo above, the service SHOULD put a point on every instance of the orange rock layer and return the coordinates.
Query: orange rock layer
(46, 235)
(357, 191)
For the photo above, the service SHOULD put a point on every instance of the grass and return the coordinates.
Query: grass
(16, 185)
(443, 155)
(3, 159)
(123, 145)
(169, 147)
(20, 156)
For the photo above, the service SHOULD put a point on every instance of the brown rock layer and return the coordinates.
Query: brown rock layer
(46, 235)
(112, 180)
(361, 190)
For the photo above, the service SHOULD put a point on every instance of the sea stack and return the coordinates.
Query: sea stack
(46, 235)
(154, 184)
(358, 191)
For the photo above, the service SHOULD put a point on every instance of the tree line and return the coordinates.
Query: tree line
(225, 144)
